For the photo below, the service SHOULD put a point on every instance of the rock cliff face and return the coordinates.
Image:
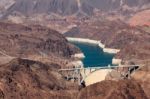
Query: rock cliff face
(143, 77)
(124, 89)
(29, 79)
(71, 7)
(22, 41)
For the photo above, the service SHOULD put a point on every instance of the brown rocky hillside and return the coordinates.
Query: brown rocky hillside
(124, 89)
(24, 41)
(27, 79)
(140, 19)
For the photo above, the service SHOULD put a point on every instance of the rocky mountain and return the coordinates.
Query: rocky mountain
(30, 57)
(124, 89)
(22, 79)
(70, 7)
(24, 41)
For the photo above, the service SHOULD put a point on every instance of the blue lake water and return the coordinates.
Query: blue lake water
(94, 55)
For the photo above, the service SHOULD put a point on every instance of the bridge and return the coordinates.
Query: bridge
(84, 74)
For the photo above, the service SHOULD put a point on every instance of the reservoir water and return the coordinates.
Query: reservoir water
(94, 55)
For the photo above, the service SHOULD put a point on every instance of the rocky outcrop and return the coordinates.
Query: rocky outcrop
(143, 77)
(22, 78)
(124, 89)
(24, 41)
